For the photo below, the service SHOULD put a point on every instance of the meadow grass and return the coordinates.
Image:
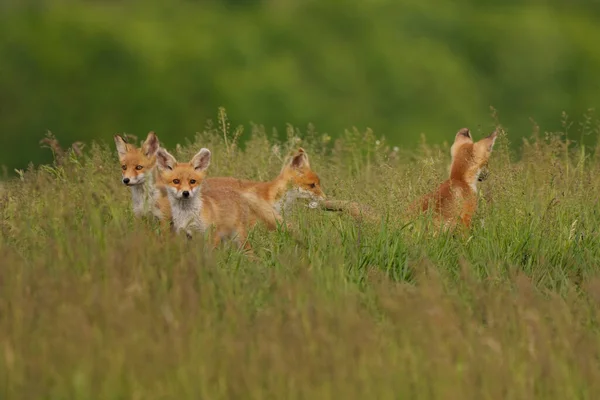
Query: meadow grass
(95, 304)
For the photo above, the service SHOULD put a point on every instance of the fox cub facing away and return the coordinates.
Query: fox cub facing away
(296, 180)
(195, 207)
(139, 173)
(457, 197)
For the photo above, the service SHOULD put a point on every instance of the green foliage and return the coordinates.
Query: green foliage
(88, 69)
(97, 304)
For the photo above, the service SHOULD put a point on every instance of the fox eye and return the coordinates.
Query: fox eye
(312, 185)
(138, 167)
(176, 181)
(123, 167)
(192, 181)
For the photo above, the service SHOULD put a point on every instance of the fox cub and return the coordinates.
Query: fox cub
(456, 198)
(196, 207)
(138, 169)
(296, 180)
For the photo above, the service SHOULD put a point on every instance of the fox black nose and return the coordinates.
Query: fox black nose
(185, 193)
(126, 180)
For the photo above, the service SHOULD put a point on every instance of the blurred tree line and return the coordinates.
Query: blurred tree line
(86, 69)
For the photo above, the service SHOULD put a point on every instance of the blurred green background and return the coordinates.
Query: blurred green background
(87, 69)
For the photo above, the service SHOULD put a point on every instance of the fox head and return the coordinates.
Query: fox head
(137, 163)
(470, 158)
(304, 180)
(182, 180)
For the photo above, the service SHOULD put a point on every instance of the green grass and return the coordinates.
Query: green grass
(95, 304)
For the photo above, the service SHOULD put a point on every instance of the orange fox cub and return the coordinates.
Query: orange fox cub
(139, 174)
(457, 197)
(296, 180)
(197, 208)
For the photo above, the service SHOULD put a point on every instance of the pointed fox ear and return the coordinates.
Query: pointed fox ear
(151, 144)
(299, 160)
(164, 159)
(462, 134)
(490, 140)
(201, 160)
(121, 145)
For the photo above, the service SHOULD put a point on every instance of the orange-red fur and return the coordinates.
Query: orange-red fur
(138, 169)
(296, 179)
(456, 198)
(196, 207)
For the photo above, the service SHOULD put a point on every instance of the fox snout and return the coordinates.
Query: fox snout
(182, 193)
(318, 197)
(133, 180)
(310, 194)
(317, 194)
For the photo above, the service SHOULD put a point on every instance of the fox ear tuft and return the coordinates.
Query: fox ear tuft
(300, 159)
(201, 160)
(164, 159)
(121, 145)
(151, 144)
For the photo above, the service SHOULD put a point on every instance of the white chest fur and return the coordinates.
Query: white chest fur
(473, 184)
(186, 214)
(144, 198)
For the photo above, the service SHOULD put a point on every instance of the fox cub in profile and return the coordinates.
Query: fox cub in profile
(296, 180)
(195, 207)
(140, 175)
(457, 197)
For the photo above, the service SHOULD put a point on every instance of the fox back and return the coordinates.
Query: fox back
(296, 180)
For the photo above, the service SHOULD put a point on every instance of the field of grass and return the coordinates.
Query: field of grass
(95, 304)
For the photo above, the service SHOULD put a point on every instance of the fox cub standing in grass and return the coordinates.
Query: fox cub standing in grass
(457, 197)
(139, 173)
(296, 180)
(196, 208)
